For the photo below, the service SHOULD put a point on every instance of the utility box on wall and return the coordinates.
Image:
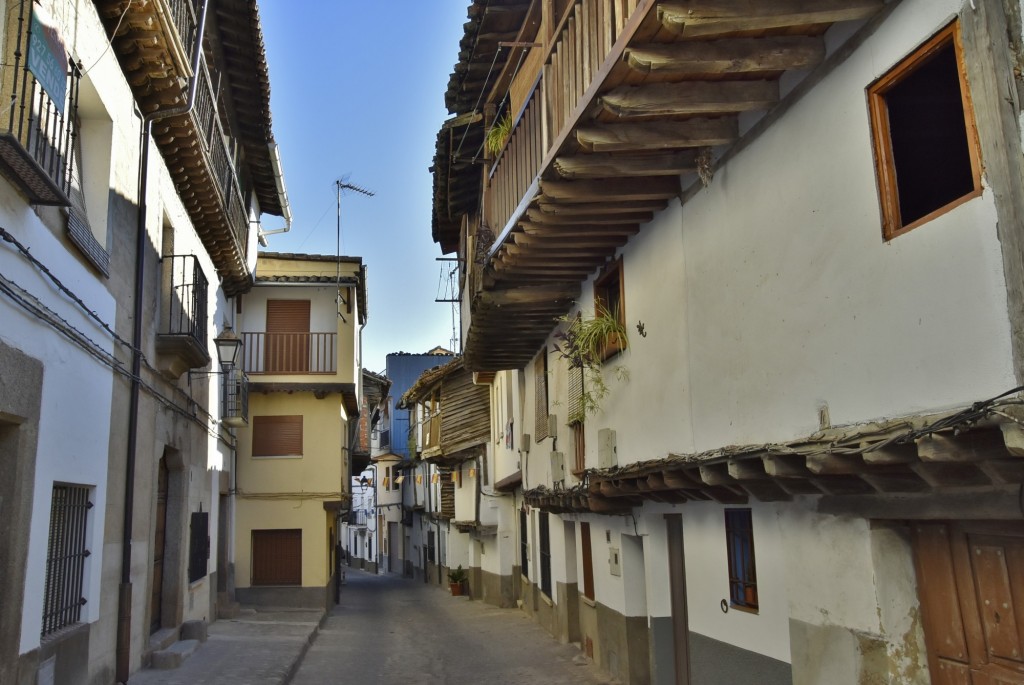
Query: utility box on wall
(557, 467)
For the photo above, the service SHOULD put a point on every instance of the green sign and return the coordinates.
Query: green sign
(47, 58)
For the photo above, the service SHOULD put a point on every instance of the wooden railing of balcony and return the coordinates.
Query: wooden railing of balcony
(584, 42)
(208, 125)
(290, 353)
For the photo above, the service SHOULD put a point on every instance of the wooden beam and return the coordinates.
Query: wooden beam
(890, 454)
(972, 446)
(988, 503)
(691, 97)
(716, 474)
(598, 241)
(834, 464)
(610, 223)
(950, 474)
(785, 466)
(658, 135)
(602, 165)
(526, 295)
(650, 188)
(713, 17)
(766, 490)
(728, 55)
(746, 469)
(545, 230)
(554, 208)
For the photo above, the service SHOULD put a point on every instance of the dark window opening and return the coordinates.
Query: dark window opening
(739, 536)
(545, 555)
(199, 545)
(925, 143)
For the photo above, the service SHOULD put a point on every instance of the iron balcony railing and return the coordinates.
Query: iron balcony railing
(183, 16)
(185, 294)
(290, 353)
(235, 398)
(36, 126)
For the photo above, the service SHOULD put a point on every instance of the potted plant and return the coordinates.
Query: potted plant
(587, 343)
(456, 581)
(498, 133)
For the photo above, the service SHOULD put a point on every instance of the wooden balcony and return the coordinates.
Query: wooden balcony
(153, 42)
(624, 102)
(290, 353)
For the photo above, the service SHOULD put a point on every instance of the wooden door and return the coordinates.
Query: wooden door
(287, 345)
(971, 585)
(159, 544)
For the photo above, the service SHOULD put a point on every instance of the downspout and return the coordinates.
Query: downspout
(124, 614)
(282, 194)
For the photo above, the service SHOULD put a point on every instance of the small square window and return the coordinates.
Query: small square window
(926, 147)
(739, 537)
(610, 298)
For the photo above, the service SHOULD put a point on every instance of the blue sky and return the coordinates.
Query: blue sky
(357, 91)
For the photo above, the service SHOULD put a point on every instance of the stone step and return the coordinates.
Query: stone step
(173, 656)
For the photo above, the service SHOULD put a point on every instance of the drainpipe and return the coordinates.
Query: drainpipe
(282, 194)
(124, 613)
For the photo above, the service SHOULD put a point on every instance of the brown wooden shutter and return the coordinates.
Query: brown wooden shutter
(540, 387)
(287, 346)
(277, 557)
(276, 436)
(577, 413)
(588, 562)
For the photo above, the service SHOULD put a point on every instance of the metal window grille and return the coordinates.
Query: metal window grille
(545, 555)
(739, 535)
(235, 388)
(65, 558)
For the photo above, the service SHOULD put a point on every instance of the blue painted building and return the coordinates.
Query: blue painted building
(403, 369)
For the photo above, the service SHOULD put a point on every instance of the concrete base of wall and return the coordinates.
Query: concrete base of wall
(717, 663)
(835, 655)
(493, 588)
(62, 659)
(282, 596)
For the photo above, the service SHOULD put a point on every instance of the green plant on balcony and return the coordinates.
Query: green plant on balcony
(498, 134)
(586, 343)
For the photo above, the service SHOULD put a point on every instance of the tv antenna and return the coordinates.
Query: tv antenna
(343, 184)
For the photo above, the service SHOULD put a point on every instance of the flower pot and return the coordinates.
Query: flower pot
(456, 589)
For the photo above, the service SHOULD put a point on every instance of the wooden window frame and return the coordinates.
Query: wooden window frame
(611, 279)
(261, 450)
(739, 538)
(885, 168)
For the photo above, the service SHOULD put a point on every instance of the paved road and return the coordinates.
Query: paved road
(393, 630)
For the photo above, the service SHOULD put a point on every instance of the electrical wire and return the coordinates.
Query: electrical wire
(110, 41)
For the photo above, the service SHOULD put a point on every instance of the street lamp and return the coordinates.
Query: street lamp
(228, 344)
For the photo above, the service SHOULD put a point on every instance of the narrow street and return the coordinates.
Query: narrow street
(393, 630)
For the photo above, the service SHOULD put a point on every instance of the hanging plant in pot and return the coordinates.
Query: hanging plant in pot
(587, 342)
(457, 580)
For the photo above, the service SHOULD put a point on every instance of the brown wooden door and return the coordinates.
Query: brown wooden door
(287, 346)
(159, 544)
(971, 585)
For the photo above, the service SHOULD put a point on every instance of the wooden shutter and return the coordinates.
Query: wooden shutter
(277, 436)
(287, 346)
(199, 545)
(277, 557)
(588, 562)
(577, 413)
(540, 387)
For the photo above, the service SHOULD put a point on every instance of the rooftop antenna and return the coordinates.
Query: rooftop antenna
(343, 184)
